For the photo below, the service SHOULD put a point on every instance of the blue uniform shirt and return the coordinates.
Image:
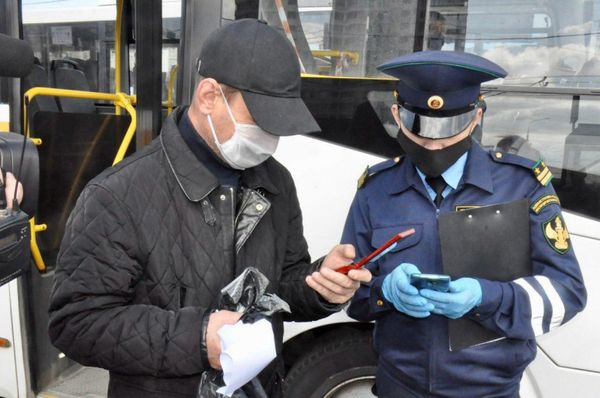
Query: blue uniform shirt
(414, 352)
(452, 176)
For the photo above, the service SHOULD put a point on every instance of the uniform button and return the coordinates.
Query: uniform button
(498, 155)
(259, 207)
(222, 197)
(380, 303)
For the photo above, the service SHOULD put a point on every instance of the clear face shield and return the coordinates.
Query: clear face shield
(435, 127)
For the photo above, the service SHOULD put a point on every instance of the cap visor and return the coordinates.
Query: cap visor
(280, 115)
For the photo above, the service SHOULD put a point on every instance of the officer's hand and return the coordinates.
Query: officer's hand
(9, 189)
(213, 341)
(333, 286)
(405, 297)
(463, 296)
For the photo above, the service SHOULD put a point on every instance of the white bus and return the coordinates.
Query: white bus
(548, 105)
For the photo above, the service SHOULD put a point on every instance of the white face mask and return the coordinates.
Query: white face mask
(248, 147)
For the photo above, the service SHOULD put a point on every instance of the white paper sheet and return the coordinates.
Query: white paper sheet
(246, 349)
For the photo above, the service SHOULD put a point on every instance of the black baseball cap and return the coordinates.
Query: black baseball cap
(254, 58)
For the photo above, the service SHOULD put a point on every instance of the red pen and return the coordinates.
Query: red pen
(365, 260)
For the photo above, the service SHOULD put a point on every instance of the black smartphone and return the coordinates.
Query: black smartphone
(438, 282)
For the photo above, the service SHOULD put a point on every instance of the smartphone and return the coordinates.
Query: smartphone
(377, 253)
(438, 282)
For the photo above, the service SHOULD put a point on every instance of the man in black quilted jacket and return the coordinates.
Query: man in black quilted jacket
(152, 240)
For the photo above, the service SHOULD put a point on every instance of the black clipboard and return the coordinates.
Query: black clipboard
(490, 242)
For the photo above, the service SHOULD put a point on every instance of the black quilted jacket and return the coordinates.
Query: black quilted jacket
(146, 250)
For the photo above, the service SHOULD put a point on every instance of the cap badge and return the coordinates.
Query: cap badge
(435, 102)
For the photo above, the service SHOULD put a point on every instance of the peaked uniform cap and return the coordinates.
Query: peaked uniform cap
(454, 78)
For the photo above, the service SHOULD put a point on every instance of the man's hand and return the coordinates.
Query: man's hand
(464, 294)
(405, 297)
(333, 286)
(9, 189)
(213, 341)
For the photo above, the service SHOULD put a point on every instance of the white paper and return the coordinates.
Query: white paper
(246, 349)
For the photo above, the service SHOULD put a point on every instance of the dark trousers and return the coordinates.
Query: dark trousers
(388, 386)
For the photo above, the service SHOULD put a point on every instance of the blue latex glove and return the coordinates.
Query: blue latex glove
(464, 294)
(405, 297)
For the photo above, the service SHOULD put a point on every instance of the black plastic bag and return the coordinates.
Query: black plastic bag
(245, 294)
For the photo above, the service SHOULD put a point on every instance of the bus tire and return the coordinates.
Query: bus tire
(338, 365)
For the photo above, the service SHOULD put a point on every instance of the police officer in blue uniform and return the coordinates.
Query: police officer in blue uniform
(444, 170)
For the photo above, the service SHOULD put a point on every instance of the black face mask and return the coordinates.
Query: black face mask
(433, 162)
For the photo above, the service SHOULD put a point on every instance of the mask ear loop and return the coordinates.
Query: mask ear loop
(210, 122)
(227, 106)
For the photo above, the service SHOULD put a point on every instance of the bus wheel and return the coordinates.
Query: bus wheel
(338, 366)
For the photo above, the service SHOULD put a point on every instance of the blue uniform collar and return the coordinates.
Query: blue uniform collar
(476, 172)
(453, 174)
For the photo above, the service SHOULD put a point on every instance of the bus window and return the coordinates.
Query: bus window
(80, 31)
(84, 32)
(551, 43)
(348, 38)
(564, 130)
(547, 45)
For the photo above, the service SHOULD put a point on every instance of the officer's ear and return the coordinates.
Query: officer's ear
(395, 109)
(478, 115)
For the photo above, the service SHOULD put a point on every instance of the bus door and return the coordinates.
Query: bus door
(79, 108)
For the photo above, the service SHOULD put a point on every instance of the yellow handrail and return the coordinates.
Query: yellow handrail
(171, 89)
(35, 249)
(354, 56)
(120, 99)
(118, 52)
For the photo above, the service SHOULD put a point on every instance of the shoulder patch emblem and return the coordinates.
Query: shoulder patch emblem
(465, 207)
(542, 173)
(363, 178)
(556, 234)
(544, 201)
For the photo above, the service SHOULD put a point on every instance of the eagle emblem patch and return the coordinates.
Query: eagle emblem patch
(556, 234)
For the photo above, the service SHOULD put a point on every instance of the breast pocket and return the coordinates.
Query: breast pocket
(406, 250)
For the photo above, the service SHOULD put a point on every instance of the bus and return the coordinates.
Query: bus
(546, 107)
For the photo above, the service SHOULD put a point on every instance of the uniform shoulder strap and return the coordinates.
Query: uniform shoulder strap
(376, 169)
(539, 169)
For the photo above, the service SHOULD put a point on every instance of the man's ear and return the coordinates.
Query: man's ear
(206, 95)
